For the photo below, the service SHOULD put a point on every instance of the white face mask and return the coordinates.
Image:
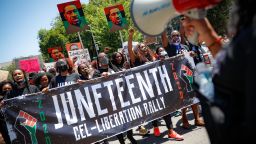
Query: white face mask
(193, 39)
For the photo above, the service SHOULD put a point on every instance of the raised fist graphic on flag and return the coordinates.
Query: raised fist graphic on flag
(187, 75)
(26, 125)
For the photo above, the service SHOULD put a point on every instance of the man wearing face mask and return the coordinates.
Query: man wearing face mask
(64, 77)
(103, 71)
(104, 68)
(173, 47)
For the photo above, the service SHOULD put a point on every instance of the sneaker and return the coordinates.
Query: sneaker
(143, 130)
(156, 132)
(177, 113)
(174, 135)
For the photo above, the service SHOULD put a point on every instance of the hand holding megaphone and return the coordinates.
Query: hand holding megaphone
(205, 31)
(152, 16)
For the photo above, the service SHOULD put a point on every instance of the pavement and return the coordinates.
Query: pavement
(194, 135)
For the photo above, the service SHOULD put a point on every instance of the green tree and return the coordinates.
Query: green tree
(94, 13)
(9, 68)
(219, 16)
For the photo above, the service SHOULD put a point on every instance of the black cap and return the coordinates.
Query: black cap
(61, 65)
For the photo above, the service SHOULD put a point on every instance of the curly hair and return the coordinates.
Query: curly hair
(40, 75)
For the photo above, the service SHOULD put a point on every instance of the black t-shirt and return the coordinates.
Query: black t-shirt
(59, 81)
(173, 50)
(81, 77)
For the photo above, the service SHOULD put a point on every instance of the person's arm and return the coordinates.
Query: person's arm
(151, 54)
(164, 39)
(206, 33)
(130, 51)
(53, 83)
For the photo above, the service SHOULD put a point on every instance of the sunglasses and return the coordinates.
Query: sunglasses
(177, 35)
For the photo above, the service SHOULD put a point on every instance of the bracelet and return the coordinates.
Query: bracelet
(217, 41)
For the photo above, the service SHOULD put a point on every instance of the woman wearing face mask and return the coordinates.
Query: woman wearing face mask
(21, 87)
(5, 88)
(64, 77)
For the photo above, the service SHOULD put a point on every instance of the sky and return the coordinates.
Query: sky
(20, 22)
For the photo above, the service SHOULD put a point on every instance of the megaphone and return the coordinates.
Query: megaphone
(152, 16)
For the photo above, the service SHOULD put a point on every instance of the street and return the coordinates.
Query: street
(194, 135)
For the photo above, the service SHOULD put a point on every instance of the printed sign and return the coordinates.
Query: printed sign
(72, 16)
(116, 17)
(55, 53)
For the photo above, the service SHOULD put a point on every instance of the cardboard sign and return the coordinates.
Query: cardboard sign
(3, 75)
(49, 65)
(79, 56)
(73, 46)
(30, 65)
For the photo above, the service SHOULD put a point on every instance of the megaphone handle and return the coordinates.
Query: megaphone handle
(196, 13)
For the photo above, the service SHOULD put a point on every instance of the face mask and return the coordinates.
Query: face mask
(163, 54)
(21, 82)
(104, 60)
(193, 39)
(63, 68)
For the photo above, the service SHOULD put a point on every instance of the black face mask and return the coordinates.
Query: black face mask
(61, 66)
(21, 82)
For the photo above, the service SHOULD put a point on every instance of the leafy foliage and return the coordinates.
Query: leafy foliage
(219, 15)
(9, 68)
(94, 13)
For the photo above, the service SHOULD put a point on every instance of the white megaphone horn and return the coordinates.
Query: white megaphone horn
(152, 16)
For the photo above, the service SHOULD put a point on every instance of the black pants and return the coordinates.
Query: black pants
(129, 136)
(3, 130)
(168, 121)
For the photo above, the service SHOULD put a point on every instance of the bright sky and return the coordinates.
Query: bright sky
(20, 22)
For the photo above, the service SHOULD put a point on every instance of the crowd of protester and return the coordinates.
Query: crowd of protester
(66, 73)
